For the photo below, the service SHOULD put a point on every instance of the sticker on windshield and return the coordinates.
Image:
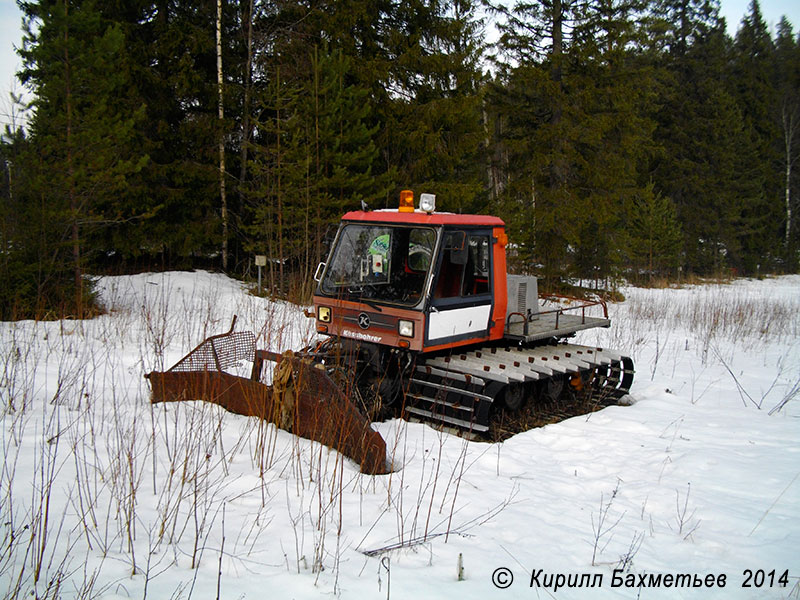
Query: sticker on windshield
(378, 252)
(380, 245)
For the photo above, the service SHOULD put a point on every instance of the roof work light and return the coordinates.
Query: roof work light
(427, 202)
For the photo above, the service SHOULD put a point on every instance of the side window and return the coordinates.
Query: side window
(465, 266)
(476, 276)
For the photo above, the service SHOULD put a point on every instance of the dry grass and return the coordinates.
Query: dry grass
(701, 319)
(95, 478)
(96, 481)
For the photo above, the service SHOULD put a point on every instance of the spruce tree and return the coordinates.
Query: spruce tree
(84, 125)
(654, 235)
(576, 129)
(533, 105)
(614, 139)
(754, 79)
(707, 164)
(313, 159)
(433, 132)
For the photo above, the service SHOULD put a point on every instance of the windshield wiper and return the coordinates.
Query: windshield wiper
(370, 303)
(360, 291)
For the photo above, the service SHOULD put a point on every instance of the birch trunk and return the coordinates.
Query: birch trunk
(246, 126)
(789, 118)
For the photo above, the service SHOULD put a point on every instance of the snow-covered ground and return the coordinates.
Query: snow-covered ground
(103, 495)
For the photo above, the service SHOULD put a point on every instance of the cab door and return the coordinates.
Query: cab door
(461, 297)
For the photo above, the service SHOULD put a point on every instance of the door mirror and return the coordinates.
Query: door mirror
(455, 243)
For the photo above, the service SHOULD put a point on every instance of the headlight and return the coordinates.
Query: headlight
(405, 328)
(324, 314)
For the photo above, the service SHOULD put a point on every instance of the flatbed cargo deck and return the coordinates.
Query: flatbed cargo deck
(552, 324)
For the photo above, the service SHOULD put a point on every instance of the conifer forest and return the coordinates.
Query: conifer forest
(618, 139)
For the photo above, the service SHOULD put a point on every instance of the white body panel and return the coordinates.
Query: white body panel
(458, 321)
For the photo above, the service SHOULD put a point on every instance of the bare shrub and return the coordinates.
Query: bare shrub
(603, 526)
(684, 517)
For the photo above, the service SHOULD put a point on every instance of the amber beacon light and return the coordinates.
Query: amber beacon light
(406, 201)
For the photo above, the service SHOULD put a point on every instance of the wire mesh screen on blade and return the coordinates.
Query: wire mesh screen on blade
(219, 353)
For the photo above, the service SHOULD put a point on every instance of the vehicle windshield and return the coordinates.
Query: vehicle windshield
(380, 262)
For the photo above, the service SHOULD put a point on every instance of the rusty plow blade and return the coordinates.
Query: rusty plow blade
(302, 399)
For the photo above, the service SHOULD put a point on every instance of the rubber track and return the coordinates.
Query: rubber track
(465, 390)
